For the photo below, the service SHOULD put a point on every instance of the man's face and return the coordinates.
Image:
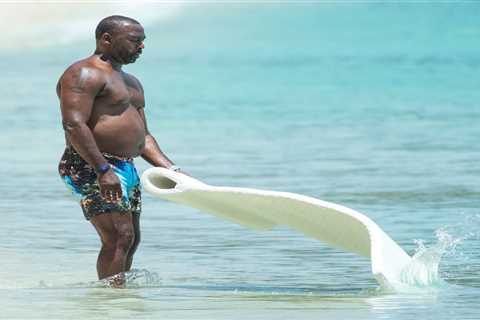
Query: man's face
(127, 43)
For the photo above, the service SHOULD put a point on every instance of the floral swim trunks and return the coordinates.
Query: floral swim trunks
(81, 179)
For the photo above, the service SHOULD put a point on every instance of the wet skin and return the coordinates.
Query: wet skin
(115, 117)
(116, 120)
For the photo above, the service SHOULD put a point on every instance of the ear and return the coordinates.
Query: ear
(106, 37)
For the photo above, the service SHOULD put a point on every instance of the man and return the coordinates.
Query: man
(105, 128)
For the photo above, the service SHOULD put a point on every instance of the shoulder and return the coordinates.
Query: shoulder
(83, 74)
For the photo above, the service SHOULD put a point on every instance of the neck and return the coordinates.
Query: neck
(116, 65)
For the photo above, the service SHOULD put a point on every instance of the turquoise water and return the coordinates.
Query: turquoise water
(372, 106)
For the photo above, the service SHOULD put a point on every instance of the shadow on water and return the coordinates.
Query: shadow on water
(144, 279)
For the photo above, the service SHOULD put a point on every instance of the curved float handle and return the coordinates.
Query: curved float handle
(163, 181)
(388, 259)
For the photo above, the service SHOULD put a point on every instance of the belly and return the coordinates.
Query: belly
(122, 134)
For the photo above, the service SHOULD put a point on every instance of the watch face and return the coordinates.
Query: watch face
(103, 168)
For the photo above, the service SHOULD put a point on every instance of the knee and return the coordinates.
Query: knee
(109, 243)
(125, 239)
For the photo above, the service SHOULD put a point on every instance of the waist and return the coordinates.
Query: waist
(108, 156)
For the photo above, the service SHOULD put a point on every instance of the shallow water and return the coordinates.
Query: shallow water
(371, 106)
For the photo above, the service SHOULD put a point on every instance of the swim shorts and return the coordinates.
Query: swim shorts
(81, 179)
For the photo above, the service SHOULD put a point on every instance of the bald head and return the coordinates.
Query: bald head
(112, 24)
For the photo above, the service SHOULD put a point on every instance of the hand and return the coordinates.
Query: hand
(177, 169)
(110, 187)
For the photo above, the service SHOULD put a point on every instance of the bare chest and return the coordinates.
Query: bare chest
(119, 93)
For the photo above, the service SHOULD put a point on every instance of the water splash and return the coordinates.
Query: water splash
(135, 278)
(423, 271)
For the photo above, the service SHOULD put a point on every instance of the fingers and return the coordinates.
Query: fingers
(110, 188)
(112, 193)
(117, 194)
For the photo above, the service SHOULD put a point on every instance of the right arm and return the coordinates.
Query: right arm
(78, 88)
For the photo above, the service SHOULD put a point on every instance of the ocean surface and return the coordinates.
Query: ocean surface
(374, 106)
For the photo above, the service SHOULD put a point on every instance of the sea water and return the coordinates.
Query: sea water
(371, 105)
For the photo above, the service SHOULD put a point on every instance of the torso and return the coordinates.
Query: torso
(116, 124)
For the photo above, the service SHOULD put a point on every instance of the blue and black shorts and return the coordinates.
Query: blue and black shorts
(81, 179)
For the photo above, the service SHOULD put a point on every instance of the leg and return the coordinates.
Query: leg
(131, 252)
(113, 221)
(117, 234)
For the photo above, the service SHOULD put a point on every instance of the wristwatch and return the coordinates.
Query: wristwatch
(103, 168)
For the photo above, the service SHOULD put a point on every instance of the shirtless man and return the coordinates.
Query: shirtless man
(105, 128)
